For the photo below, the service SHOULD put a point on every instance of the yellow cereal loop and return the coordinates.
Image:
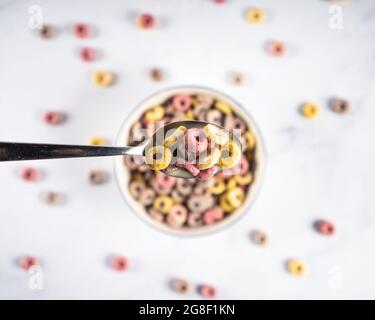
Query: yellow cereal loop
(230, 155)
(236, 196)
(296, 267)
(223, 107)
(155, 113)
(97, 141)
(310, 110)
(194, 101)
(245, 179)
(190, 115)
(102, 78)
(232, 183)
(250, 140)
(209, 160)
(255, 15)
(216, 134)
(178, 133)
(225, 204)
(163, 204)
(217, 187)
(158, 157)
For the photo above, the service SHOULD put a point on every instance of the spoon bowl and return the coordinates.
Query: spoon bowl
(165, 131)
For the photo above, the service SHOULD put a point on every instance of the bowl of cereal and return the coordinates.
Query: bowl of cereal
(189, 206)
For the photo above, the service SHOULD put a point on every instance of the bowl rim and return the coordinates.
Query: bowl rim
(121, 173)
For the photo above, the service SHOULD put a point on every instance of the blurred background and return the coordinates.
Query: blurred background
(320, 168)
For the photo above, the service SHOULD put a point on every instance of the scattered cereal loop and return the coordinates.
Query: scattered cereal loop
(156, 74)
(98, 141)
(30, 174)
(102, 78)
(26, 262)
(54, 117)
(310, 110)
(88, 54)
(259, 237)
(53, 198)
(207, 291)
(119, 263)
(325, 227)
(146, 21)
(47, 31)
(296, 267)
(339, 105)
(97, 177)
(255, 15)
(181, 286)
(276, 49)
(236, 78)
(82, 30)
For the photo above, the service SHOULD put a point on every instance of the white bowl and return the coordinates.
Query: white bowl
(122, 173)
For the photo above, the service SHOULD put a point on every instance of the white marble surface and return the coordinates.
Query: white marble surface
(321, 168)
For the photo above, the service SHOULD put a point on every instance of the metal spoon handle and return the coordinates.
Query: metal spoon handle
(11, 151)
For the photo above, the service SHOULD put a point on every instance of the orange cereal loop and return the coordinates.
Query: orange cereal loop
(276, 49)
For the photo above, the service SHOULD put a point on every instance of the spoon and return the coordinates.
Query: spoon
(14, 151)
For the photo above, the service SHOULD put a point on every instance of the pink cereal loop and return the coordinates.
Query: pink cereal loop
(207, 291)
(195, 141)
(244, 165)
(27, 262)
(165, 181)
(213, 215)
(194, 171)
(208, 173)
(88, 54)
(119, 263)
(53, 117)
(181, 102)
(29, 174)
